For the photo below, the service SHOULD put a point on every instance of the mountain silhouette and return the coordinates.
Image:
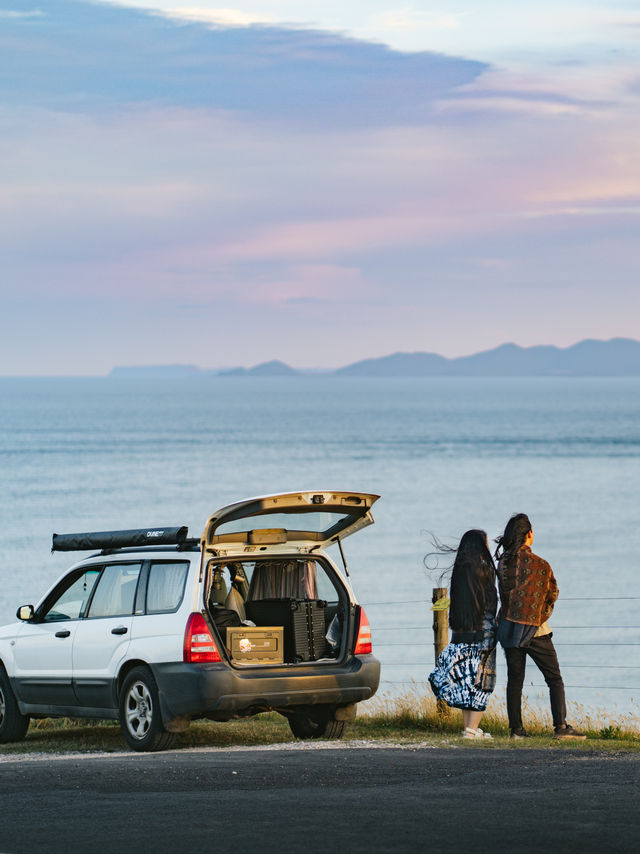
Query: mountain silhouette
(618, 357)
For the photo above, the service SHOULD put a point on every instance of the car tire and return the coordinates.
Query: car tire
(315, 722)
(13, 725)
(140, 717)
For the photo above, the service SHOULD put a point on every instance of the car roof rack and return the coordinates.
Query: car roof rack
(109, 540)
(191, 544)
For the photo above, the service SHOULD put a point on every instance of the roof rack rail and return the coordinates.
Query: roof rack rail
(119, 539)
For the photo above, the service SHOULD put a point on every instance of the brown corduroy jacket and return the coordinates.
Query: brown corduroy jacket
(528, 588)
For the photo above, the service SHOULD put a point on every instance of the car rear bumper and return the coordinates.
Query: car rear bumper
(220, 691)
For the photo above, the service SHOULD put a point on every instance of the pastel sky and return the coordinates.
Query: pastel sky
(317, 182)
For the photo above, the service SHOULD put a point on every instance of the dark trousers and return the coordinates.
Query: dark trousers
(543, 652)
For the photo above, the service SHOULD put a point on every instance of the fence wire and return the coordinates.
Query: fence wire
(564, 599)
(426, 627)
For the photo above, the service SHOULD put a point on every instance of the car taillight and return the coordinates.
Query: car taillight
(199, 644)
(363, 639)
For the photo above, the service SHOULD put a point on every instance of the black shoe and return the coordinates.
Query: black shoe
(519, 733)
(567, 731)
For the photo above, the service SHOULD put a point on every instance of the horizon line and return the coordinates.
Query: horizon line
(185, 368)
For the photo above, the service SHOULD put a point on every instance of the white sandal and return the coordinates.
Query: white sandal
(467, 732)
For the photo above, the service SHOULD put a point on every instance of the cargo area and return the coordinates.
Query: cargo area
(277, 610)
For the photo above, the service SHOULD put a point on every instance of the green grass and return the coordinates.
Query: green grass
(414, 717)
(62, 735)
(410, 719)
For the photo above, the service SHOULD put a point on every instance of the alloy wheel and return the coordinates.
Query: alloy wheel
(139, 710)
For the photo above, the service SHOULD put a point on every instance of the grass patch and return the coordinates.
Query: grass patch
(73, 735)
(409, 719)
(414, 717)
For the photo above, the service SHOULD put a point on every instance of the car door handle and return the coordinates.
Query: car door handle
(63, 634)
(121, 630)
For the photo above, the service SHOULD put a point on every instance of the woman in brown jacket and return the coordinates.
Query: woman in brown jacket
(528, 591)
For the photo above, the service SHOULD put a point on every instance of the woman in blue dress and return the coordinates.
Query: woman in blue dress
(464, 676)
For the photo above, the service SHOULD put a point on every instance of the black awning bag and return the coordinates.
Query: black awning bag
(119, 539)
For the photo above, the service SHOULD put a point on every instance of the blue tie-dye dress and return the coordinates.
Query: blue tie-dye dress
(465, 673)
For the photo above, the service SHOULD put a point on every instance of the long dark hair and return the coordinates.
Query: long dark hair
(513, 538)
(472, 574)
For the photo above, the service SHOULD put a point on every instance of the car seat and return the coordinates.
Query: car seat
(218, 592)
(235, 602)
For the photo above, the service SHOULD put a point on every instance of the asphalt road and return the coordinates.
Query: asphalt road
(301, 799)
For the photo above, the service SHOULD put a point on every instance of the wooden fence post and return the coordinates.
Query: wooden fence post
(440, 641)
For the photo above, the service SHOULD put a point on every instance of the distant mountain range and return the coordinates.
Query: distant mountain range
(265, 369)
(619, 357)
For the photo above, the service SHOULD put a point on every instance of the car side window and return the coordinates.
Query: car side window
(69, 604)
(116, 591)
(165, 587)
(325, 587)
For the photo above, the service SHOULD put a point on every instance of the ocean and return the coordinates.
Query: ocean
(445, 455)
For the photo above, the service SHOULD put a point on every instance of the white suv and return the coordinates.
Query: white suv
(157, 629)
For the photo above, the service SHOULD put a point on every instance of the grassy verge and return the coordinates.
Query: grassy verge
(62, 735)
(411, 719)
(414, 717)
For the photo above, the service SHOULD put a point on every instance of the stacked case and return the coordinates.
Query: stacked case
(303, 621)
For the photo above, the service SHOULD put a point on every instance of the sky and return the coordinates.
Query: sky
(316, 182)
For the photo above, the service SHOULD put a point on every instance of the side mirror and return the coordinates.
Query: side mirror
(25, 612)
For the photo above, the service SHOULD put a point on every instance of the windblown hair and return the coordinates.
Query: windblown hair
(513, 538)
(472, 575)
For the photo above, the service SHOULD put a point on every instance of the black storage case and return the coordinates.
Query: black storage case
(303, 621)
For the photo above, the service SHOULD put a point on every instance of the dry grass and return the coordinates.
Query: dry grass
(411, 718)
(62, 735)
(416, 712)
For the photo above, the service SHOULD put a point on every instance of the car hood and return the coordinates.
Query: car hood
(304, 519)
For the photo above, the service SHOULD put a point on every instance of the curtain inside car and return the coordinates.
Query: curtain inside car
(279, 579)
(166, 583)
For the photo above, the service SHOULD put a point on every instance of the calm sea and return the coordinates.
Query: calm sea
(445, 455)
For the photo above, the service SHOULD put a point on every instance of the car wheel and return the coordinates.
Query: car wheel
(13, 725)
(315, 722)
(140, 718)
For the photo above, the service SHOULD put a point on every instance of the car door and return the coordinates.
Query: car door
(103, 636)
(43, 650)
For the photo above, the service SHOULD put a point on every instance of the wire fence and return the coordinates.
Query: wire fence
(426, 643)
(564, 599)
(560, 643)
(533, 685)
